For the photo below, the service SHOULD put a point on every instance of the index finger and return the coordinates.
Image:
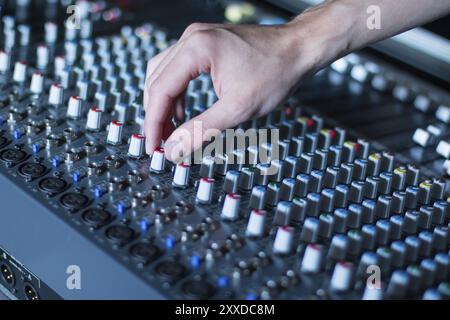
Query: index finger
(187, 64)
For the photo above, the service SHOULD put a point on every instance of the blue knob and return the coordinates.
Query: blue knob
(222, 281)
(76, 176)
(195, 262)
(120, 208)
(55, 162)
(144, 225)
(170, 242)
(17, 134)
(250, 296)
(35, 147)
(98, 191)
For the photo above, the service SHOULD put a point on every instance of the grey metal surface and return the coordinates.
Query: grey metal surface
(3, 297)
(4, 294)
(47, 246)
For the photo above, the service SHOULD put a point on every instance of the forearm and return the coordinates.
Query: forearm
(248, 56)
(342, 26)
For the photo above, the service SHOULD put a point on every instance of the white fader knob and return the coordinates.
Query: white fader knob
(56, 94)
(42, 56)
(9, 37)
(51, 32)
(443, 149)
(114, 133)
(181, 175)
(74, 107)
(158, 160)
(9, 22)
(312, 258)
(255, 226)
(136, 148)
(422, 137)
(5, 61)
(70, 33)
(71, 51)
(342, 276)
(59, 65)
(122, 112)
(86, 29)
(94, 117)
(24, 32)
(20, 72)
(37, 83)
(283, 240)
(205, 190)
(230, 210)
(372, 292)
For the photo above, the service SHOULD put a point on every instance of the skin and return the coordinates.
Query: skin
(254, 68)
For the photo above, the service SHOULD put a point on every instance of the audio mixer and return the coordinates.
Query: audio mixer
(362, 179)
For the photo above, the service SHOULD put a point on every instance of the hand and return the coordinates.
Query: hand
(253, 68)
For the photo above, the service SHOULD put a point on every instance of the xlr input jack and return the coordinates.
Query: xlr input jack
(30, 292)
(7, 274)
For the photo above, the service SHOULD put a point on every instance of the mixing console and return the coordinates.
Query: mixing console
(341, 201)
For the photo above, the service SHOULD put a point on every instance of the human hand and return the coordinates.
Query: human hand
(253, 68)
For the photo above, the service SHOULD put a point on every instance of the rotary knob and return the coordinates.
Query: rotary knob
(181, 175)
(20, 72)
(158, 160)
(56, 94)
(37, 83)
(283, 240)
(42, 56)
(342, 276)
(9, 38)
(207, 167)
(114, 133)
(59, 65)
(51, 32)
(230, 210)
(93, 121)
(5, 61)
(74, 107)
(312, 258)
(205, 190)
(255, 226)
(136, 148)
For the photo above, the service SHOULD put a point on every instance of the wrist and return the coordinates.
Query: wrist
(324, 33)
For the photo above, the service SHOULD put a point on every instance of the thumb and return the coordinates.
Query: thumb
(192, 134)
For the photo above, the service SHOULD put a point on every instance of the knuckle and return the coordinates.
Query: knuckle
(154, 88)
(203, 39)
(193, 27)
